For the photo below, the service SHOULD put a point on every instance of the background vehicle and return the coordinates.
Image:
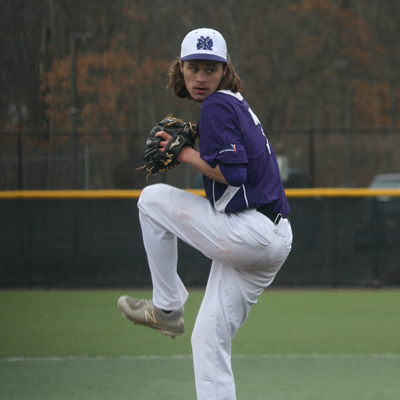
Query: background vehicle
(382, 181)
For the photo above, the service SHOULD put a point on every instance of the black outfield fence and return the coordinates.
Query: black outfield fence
(73, 239)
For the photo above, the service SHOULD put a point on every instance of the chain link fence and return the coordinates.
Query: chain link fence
(310, 157)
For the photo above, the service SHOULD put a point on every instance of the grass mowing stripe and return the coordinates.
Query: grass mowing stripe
(188, 356)
(281, 377)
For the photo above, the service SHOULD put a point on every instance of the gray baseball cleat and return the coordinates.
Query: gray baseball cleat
(143, 312)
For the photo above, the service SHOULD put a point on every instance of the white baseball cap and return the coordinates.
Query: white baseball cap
(204, 44)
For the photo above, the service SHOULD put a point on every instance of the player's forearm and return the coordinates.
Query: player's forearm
(191, 156)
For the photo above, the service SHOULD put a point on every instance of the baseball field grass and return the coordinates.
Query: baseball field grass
(296, 344)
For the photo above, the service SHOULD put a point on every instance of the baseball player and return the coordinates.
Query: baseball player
(241, 225)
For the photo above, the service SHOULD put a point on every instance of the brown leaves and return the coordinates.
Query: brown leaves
(371, 102)
(107, 84)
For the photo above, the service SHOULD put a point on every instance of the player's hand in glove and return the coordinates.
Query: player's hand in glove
(181, 134)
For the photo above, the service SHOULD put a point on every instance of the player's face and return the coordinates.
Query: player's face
(202, 77)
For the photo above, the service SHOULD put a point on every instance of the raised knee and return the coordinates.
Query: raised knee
(151, 193)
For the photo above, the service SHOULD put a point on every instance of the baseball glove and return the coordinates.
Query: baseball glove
(183, 134)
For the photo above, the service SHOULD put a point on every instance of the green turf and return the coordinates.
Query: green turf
(278, 377)
(327, 322)
(300, 344)
(88, 323)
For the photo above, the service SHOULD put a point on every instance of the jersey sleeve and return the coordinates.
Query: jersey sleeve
(235, 174)
(220, 138)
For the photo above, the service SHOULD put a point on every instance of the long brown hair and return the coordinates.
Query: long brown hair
(231, 80)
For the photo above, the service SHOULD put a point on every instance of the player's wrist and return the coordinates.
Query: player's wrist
(184, 154)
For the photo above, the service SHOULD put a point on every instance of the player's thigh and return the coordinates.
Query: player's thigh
(192, 219)
(244, 240)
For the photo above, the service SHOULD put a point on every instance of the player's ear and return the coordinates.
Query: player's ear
(181, 66)
(225, 68)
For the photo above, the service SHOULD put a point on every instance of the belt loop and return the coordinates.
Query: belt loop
(271, 214)
(277, 219)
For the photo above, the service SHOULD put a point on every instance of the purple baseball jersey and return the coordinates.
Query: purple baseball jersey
(232, 136)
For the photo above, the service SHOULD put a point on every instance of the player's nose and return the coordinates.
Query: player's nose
(201, 77)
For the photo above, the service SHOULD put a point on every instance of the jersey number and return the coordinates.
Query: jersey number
(256, 123)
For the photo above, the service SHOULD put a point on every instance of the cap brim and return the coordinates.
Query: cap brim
(200, 56)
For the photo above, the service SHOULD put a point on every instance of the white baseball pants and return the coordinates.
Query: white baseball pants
(247, 250)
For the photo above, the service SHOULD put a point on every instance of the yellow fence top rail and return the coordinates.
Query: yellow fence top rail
(134, 194)
(70, 194)
(342, 192)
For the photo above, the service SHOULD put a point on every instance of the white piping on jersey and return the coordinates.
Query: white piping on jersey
(237, 95)
(228, 195)
(223, 201)
(245, 197)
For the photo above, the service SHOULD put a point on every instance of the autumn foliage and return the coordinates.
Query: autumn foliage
(303, 63)
(107, 84)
